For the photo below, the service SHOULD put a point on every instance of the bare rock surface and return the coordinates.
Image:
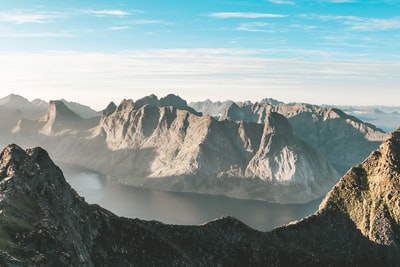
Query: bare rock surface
(342, 139)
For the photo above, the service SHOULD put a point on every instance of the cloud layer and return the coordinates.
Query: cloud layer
(196, 74)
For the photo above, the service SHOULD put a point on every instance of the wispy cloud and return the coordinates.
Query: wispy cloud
(244, 15)
(110, 12)
(30, 17)
(118, 28)
(38, 35)
(341, 1)
(361, 23)
(374, 24)
(255, 27)
(146, 21)
(281, 2)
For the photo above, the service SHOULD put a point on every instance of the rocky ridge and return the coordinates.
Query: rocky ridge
(331, 131)
(45, 223)
(209, 152)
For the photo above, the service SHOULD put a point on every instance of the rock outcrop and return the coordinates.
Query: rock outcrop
(60, 118)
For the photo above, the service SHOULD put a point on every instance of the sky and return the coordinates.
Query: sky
(343, 52)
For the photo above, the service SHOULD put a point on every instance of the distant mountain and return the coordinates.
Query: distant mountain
(83, 111)
(343, 139)
(214, 109)
(183, 148)
(168, 101)
(15, 104)
(37, 108)
(384, 117)
(164, 144)
(44, 222)
(59, 117)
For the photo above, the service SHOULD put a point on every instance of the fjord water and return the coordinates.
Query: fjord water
(183, 208)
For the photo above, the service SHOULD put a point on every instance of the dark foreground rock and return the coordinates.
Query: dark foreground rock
(43, 222)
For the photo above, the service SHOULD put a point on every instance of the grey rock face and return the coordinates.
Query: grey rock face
(342, 139)
(185, 144)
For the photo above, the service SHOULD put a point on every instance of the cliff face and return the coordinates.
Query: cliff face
(43, 222)
(179, 146)
(342, 139)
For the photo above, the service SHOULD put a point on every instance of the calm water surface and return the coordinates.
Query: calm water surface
(183, 208)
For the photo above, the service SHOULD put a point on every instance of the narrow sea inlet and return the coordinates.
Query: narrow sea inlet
(183, 208)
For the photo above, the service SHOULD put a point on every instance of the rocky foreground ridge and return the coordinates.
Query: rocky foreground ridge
(43, 222)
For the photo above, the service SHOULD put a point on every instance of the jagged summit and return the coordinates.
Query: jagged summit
(58, 109)
(110, 109)
(83, 111)
(272, 101)
(153, 101)
(59, 117)
(276, 123)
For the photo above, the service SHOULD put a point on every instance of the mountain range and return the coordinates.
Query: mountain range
(329, 130)
(268, 150)
(43, 222)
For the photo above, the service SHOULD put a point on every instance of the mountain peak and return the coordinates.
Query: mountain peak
(11, 152)
(277, 124)
(110, 109)
(58, 108)
(59, 117)
(153, 101)
(14, 101)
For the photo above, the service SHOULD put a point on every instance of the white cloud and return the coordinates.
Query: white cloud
(146, 21)
(255, 27)
(361, 23)
(341, 1)
(118, 28)
(281, 2)
(244, 15)
(21, 17)
(111, 12)
(38, 35)
(374, 24)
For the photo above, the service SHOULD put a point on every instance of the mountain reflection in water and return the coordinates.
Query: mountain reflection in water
(183, 208)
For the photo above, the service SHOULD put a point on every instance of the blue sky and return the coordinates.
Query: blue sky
(322, 51)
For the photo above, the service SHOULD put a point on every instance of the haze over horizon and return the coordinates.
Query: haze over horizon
(322, 52)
